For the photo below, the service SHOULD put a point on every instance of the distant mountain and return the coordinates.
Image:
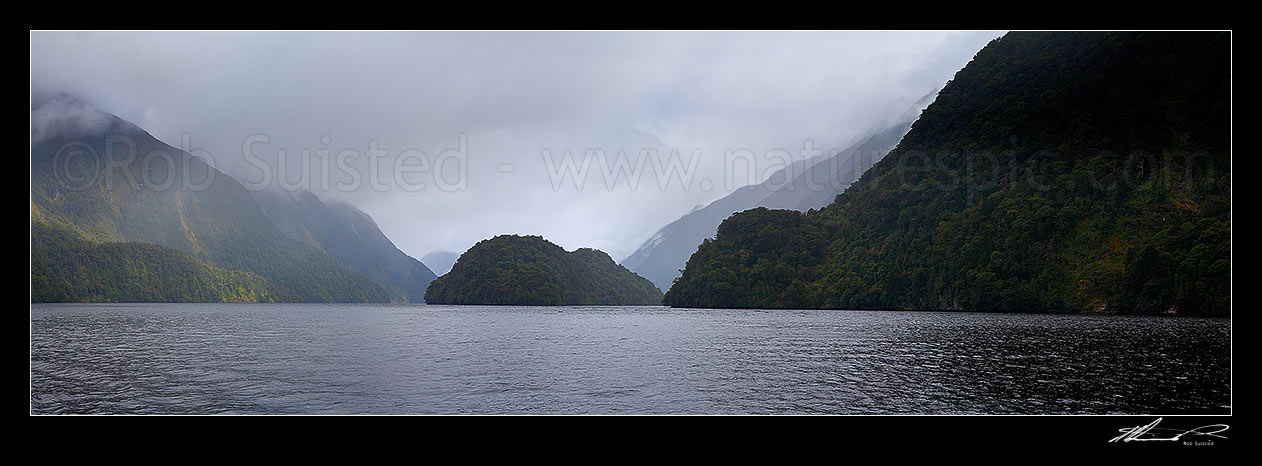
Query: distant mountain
(529, 270)
(349, 236)
(1079, 172)
(814, 184)
(660, 258)
(99, 179)
(440, 261)
(820, 184)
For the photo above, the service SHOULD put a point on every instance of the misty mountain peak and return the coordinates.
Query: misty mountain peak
(66, 115)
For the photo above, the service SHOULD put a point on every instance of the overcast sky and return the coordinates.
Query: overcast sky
(518, 101)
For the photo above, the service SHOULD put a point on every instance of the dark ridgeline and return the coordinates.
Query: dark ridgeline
(529, 270)
(156, 228)
(1071, 172)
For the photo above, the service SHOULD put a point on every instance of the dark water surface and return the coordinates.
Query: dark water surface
(304, 358)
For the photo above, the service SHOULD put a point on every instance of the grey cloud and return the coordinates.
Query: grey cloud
(511, 94)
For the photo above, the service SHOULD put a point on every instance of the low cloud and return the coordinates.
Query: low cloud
(64, 115)
(511, 96)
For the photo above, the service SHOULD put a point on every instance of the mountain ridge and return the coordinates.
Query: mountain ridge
(351, 237)
(1032, 184)
(106, 180)
(802, 185)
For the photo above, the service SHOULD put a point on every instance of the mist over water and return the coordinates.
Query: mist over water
(354, 359)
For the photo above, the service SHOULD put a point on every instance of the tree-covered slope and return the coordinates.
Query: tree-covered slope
(106, 180)
(529, 270)
(1055, 172)
(68, 268)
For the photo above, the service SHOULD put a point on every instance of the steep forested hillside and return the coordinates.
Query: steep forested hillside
(68, 268)
(1055, 172)
(106, 180)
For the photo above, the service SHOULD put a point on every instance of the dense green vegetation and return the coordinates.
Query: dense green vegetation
(1057, 172)
(67, 268)
(529, 270)
(173, 200)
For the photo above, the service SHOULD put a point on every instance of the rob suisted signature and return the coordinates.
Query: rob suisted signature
(1150, 433)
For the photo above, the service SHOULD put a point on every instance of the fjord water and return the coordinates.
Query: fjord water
(337, 359)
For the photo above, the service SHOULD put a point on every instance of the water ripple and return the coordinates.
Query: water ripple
(350, 359)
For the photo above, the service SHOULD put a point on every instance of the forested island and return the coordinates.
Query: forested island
(529, 270)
